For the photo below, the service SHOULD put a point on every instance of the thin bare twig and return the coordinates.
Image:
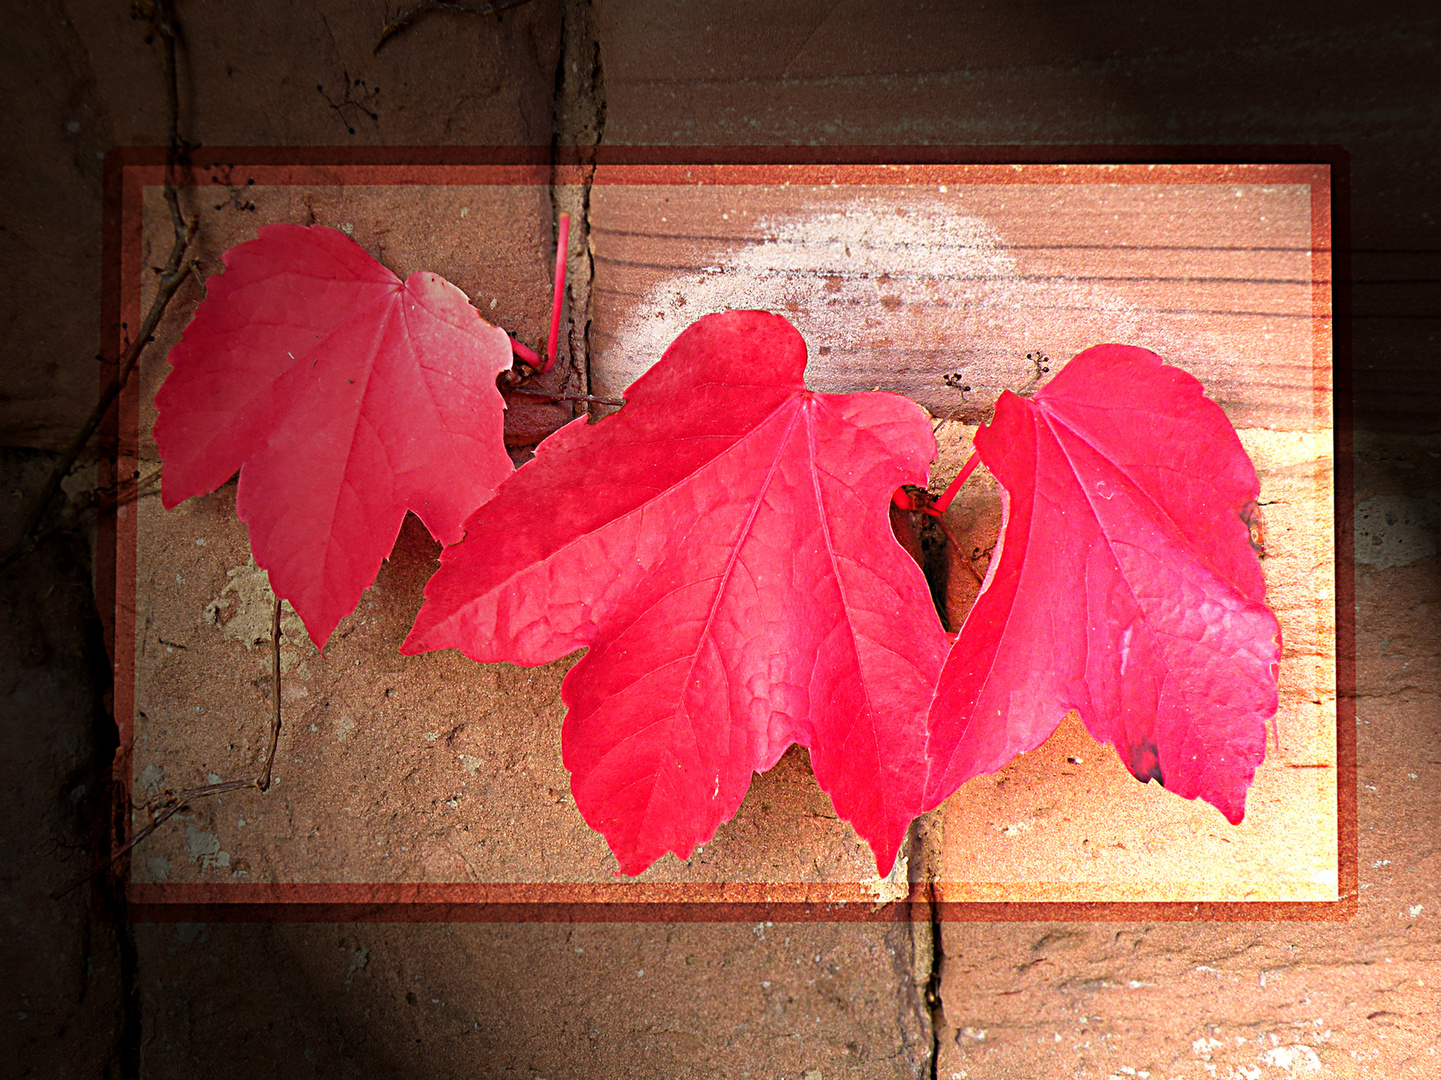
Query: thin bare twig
(1042, 363)
(173, 803)
(425, 7)
(263, 782)
(172, 275)
(104, 499)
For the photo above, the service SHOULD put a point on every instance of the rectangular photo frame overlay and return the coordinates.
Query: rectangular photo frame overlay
(430, 788)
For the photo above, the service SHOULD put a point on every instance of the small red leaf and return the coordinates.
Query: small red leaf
(345, 398)
(1124, 587)
(723, 546)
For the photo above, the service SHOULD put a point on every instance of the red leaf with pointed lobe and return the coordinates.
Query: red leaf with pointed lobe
(1124, 587)
(345, 398)
(723, 546)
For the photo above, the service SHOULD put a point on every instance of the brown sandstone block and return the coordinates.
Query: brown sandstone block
(936, 282)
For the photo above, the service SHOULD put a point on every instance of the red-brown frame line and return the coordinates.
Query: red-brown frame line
(459, 902)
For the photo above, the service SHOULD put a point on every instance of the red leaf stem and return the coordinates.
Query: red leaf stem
(562, 245)
(526, 353)
(540, 363)
(941, 505)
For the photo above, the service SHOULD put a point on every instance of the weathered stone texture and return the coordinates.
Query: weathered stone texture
(1351, 999)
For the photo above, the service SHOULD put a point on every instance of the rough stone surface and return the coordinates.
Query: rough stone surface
(919, 279)
(1265, 999)
(66, 963)
(567, 1001)
(1084, 74)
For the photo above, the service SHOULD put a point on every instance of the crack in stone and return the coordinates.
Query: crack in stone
(925, 934)
(579, 127)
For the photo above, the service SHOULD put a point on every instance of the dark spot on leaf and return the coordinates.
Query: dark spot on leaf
(1255, 521)
(1144, 764)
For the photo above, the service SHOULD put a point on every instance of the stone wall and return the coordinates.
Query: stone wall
(94, 993)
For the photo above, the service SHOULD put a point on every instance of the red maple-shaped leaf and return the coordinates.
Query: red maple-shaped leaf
(723, 546)
(1124, 587)
(345, 397)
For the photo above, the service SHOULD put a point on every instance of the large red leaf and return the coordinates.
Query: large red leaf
(345, 398)
(723, 546)
(1124, 587)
